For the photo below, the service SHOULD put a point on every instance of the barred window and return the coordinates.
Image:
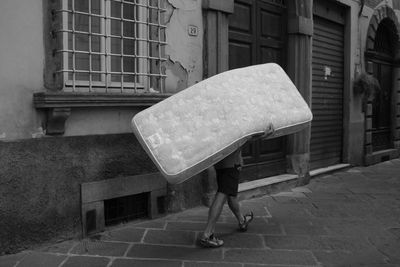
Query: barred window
(110, 45)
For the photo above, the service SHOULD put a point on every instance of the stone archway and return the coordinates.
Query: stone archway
(382, 116)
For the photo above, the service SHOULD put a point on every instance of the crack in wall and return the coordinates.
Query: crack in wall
(170, 10)
(184, 52)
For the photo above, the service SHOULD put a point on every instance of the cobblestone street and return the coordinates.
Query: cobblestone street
(347, 218)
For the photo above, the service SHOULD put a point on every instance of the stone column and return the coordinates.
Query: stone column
(216, 56)
(300, 31)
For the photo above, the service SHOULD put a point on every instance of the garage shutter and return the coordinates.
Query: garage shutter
(327, 93)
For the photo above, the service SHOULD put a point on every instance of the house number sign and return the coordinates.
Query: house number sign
(193, 30)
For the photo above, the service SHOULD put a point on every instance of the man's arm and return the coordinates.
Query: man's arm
(269, 131)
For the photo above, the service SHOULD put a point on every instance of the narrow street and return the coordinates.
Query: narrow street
(347, 218)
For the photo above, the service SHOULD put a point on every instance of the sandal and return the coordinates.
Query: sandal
(210, 242)
(247, 219)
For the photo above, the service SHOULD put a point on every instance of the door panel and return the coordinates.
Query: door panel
(381, 105)
(236, 49)
(257, 33)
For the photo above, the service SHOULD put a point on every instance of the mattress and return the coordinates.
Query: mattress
(197, 127)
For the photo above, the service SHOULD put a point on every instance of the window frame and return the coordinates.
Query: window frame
(147, 78)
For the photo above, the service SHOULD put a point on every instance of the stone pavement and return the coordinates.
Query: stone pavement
(347, 218)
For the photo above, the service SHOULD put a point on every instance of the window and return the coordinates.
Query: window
(109, 45)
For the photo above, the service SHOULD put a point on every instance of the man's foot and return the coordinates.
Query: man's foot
(246, 220)
(210, 242)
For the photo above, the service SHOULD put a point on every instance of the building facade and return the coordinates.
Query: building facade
(74, 73)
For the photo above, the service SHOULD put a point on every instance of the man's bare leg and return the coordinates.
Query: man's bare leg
(234, 206)
(214, 212)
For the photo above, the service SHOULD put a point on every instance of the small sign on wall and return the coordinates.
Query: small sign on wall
(193, 30)
(327, 72)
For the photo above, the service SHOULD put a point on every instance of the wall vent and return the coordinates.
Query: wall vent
(118, 200)
(91, 221)
(124, 209)
(385, 158)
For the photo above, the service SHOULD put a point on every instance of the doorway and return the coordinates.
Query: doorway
(257, 34)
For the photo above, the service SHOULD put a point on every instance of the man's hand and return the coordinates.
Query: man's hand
(269, 131)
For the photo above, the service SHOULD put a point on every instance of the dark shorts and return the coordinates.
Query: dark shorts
(228, 181)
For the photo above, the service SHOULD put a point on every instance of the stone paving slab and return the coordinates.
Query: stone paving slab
(41, 259)
(235, 240)
(154, 224)
(145, 263)
(269, 256)
(79, 261)
(345, 258)
(61, 247)
(12, 260)
(100, 248)
(170, 237)
(125, 234)
(301, 242)
(346, 218)
(174, 253)
(211, 264)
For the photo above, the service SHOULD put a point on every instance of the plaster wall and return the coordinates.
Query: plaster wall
(184, 50)
(21, 67)
(22, 63)
(40, 183)
(88, 121)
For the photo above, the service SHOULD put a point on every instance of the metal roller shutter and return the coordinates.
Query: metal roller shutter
(327, 93)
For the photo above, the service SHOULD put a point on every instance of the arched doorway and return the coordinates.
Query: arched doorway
(381, 113)
(381, 59)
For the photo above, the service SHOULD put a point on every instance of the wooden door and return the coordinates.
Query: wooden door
(257, 32)
(382, 60)
(381, 105)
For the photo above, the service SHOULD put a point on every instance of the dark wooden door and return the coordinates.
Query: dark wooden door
(257, 32)
(382, 59)
(381, 106)
(327, 93)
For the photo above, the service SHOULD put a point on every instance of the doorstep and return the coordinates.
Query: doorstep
(279, 182)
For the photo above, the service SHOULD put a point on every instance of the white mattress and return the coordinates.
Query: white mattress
(195, 128)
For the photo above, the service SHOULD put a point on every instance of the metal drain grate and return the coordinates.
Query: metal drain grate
(123, 209)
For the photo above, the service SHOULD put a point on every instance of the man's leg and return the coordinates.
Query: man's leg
(235, 208)
(214, 213)
(242, 220)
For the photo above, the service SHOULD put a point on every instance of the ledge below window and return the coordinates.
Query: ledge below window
(59, 104)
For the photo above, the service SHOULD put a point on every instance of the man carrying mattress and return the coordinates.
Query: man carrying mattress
(227, 171)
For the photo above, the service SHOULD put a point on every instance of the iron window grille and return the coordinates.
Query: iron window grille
(110, 45)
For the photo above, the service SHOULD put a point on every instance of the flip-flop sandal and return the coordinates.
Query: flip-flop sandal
(247, 219)
(210, 242)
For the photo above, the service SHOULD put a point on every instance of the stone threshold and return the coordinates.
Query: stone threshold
(279, 182)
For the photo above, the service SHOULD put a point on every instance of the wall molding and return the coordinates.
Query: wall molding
(225, 6)
(59, 105)
(70, 100)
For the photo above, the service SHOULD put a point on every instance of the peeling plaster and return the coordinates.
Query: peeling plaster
(168, 14)
(185, 4)
(181, 48)
(177, 77)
